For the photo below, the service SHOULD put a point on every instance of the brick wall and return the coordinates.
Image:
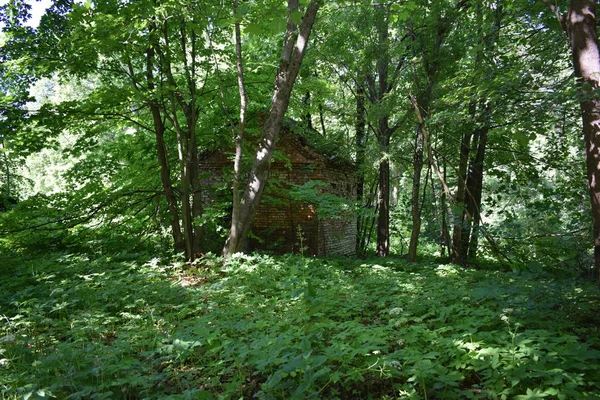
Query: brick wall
(339, 237)
(279, 218)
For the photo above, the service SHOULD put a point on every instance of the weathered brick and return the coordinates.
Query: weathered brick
(279, 219)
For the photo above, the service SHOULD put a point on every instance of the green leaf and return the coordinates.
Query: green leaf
(278, 25)
(253, 29)
(296, 16)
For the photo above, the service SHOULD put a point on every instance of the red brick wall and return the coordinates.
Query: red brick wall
(279, 218)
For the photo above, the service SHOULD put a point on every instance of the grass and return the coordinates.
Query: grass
(127, 326)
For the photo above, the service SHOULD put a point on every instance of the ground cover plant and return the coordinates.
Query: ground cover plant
(130, 326)
(464, 131)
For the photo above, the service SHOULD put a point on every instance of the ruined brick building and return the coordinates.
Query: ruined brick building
(291, 217)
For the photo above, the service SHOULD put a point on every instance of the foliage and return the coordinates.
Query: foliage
(131, 325)
(91, 307)
(91, 136)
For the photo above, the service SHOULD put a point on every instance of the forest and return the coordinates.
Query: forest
(468, 136)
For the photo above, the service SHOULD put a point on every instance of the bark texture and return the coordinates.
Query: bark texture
(239, 138)
(472, 154)
(580, 23)
(180, 110)
(379, 86)
(422, 103)
(294, 48)
(361, 144)
(161, 151)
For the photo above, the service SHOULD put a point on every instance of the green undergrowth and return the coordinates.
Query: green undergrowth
(128, 326)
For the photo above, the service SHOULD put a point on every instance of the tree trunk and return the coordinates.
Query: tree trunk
(580, 23)
(444, 235)
(165, 177)
(395, 178)
(475, 187)
(191, 196)
(295, 43)
(361, 143)
(191, 113)
(470, 182)
(235, 215)
(426, 144)
(476, 167)
(161, 150)
(422, 104)
(307, 117)
(6, 168)
(383, 202)
(197, 203)
(383, 132)
(416, 188)
(368, 221)
(186, 207)
(458, 254)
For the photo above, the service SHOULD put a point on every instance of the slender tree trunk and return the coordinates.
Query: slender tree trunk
(361, 142)
(470, 182)
(383, 202)
(444, 235)
(421, 107)
(322, 119)
(185, 173)
(469, 194)
(476, 167)
(474, 195)
(476, 190)
(165, 176)
(470, 204)
(294, 48)
(161, 150)
(379, 87)
(425, 144)
(307, 118)
(416, 188)
(191, 113)
(191, 195)
(457, 255)
(240, 133)
(187, 133)
(422, 104)
(384, 132)
(371, 222)
(186, 207)
(581, 25)
(395, 178)
(6, 168)
(196, 186)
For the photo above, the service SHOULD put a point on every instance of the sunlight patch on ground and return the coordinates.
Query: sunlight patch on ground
(447, 270)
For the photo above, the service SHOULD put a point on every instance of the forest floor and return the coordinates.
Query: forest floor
(129, 326)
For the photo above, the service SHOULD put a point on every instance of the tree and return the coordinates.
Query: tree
(294, 47)
(238, 137)
(429, 52)
(15, 82)
(368, 50)
(580, 24)
(473, 146)
(149, 60)
(477, 104)
(379, 85)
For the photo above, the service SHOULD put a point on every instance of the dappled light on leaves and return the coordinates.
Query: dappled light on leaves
(267, 326)
(453, 129)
